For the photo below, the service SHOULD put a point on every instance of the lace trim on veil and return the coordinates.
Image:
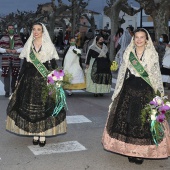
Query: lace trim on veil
(151, 63)
(48, 50)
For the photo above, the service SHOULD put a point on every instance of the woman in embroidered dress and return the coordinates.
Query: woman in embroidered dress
(98, 74)
(123, 132)
(27, 113)
(72, 64)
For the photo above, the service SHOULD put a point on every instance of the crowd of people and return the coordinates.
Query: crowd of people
(29, 112)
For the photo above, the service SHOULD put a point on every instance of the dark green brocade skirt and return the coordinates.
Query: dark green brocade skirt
(27, 114)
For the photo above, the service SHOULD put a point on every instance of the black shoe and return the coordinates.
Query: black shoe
(42, 143)
(138, 161)
(35, 142)
(131, 159)
(95, 95)
(7, 94)
(70, 94)
(101, 94)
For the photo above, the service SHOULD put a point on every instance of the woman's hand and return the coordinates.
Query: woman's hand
(87, 66)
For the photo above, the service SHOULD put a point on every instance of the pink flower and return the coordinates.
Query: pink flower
(157, 101)
(153, 103)
(50, 80)
(160, 118)
(56, 74)
(164, 108)
(61, 73)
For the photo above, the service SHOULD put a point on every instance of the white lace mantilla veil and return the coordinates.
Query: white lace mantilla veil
(48, 51)
(124, 42)
(150, 62)
(102, 52)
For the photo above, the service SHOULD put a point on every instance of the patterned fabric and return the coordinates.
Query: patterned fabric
(27, 109)
(10, 60)
(100, 69)
(123, 132)
(124, 123)
(94, 87)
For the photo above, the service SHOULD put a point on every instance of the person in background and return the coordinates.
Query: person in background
(124, 41)
(124, 132)
(116, 38)
(11, 45)
(78, 39)
(72, 64)
(89, 37)
(59, 41)
(161, 46)
(98, 74)
(30, 111)
(24, 36)
(165, 69)
(105, 35)
(130, 28)
(66, 38)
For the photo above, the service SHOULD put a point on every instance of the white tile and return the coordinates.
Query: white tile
(63, 147)
(77, 119)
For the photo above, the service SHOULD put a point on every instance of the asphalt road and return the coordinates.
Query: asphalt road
(79, 149)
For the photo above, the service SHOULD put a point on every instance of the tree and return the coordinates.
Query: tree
(77, 7)
(159, 11)
(51, 13)
(112, 11)
(91, 21)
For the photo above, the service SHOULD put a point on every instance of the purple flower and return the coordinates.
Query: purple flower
(50, 93)
(50, 80)
(160, 118)
(56, 74)
(157, 101)
(153, 103)
(61, 73)
(163, 109)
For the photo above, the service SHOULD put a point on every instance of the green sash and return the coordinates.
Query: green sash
(11, 43)
(39, 66)
(139, 68)
(60, 95)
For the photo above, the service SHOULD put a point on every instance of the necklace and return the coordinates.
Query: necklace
(37, 46)
(139, 55)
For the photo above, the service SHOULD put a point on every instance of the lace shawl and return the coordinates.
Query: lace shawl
(48, 51)
(150, 62)
(102, 52)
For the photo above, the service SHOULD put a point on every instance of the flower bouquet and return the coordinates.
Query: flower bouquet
(77, 51)
(156, 112)
(55, 80)
(114, 66)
